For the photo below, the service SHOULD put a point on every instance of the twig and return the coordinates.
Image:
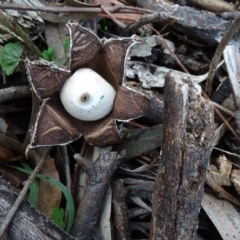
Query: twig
(227, 111)
(222, 117)
(220, 191)
(10, 142)
(150, 18)
(67, 172)
(138, 125)
(119, 23)
(77, 169)
(57, 10)
(155, 17)
(22, 194)
(34, 112)
(165, 45)
(219, 51)
(99, 175)
(13, 93)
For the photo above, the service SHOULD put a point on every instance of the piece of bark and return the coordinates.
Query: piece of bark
(188, 130)
(27, 223)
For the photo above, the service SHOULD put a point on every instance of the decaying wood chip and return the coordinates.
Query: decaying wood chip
(188, 130)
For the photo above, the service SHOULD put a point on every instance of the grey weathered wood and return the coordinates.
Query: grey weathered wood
(231, 56)
(186, 148)
(196, 25)
(232, 60)
(27, 223)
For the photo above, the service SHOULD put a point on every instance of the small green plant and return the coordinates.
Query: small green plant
(65, 191)
(11, 53)
(49, 54)
(58, 216)
(10, 56)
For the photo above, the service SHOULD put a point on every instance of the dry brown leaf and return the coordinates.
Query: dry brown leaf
(49, 194)
(221, 172)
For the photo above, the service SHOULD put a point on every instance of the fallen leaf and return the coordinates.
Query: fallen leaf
(221, 172)
(140, 141)
(49, 194)
(223, 215)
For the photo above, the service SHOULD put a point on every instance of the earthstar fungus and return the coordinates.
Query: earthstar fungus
(54, 125)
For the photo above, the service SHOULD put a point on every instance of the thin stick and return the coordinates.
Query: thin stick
(24, 191)
(222, 117)
(56, 9)
(119, 23)
(145, 19)
(230, 113)
(77, 169)
(164, 44)
(220, 191)
(219, 51)
(13, 93)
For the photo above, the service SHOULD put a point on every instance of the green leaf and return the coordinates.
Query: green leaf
(57, 216)
(34, 188)
(67, 194)
(49, 54)
(66, 45)
(140, 141)
(10, 57)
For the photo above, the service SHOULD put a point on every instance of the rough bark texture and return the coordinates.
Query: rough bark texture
(99, 176)
(122, 230)
(27, 223)
(200, 26)
(188, 129)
